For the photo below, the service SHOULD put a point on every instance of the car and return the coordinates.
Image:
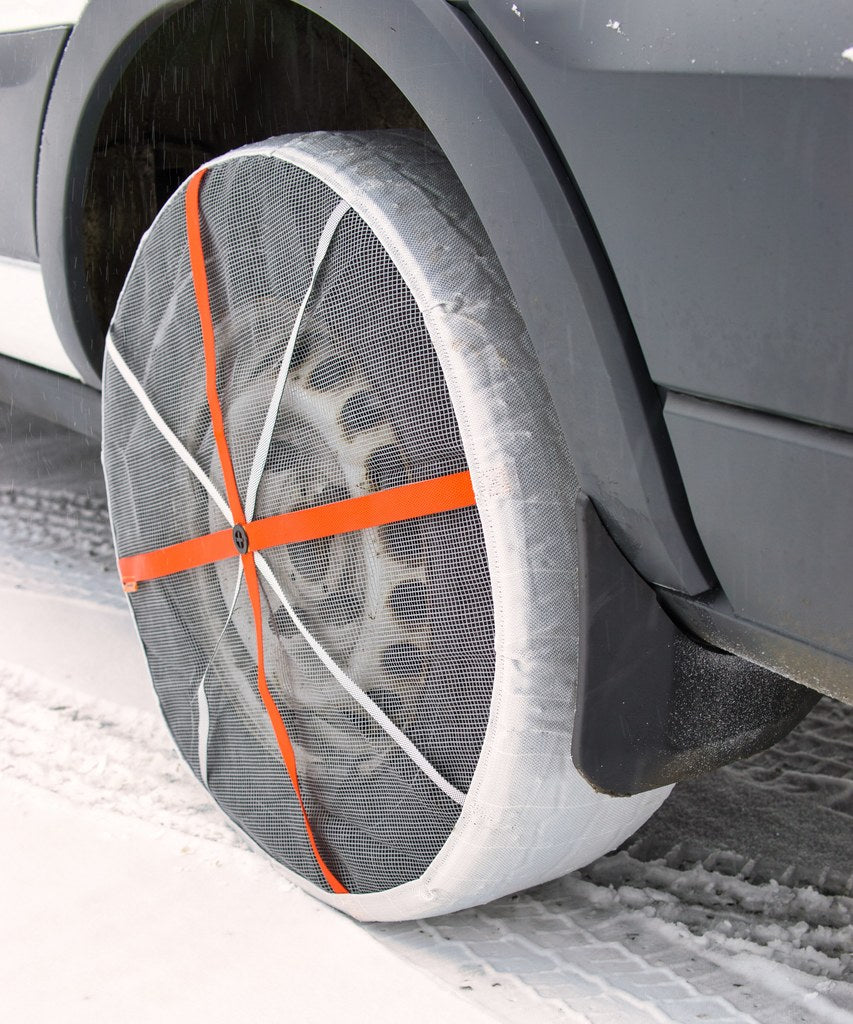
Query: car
(477, 400)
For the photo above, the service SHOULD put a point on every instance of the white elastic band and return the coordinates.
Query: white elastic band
(357, 694)
(259, 464)
(203, 731)
(260, 459)
(201, 696)
(165, 430)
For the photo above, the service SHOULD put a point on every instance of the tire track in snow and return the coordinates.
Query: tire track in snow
(579, 944)
(101, 755)
(60, 522)
(568, 951)
(58, 541)
(657, 932)
(800, 927)
(808, 775)
(536, 949)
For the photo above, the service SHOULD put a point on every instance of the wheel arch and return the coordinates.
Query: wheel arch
(608, 407)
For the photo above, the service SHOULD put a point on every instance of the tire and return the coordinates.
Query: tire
(442, 777)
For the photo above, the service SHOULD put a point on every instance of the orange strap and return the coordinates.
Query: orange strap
(199, 273)
(202, 298)
(284, 745)
(394, 505)
(189, 554)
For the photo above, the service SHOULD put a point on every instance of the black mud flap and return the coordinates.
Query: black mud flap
(655, 705)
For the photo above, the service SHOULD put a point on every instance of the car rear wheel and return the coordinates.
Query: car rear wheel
(344, 516)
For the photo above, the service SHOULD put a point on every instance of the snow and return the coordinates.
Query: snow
(115, 665)
(114, 920)
(127, 896)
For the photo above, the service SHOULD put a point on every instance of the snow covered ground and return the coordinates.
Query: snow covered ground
(126, 896)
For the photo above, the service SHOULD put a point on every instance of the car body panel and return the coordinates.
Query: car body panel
(772, 500)
(711, 143)
(28, 62)
(32, 14)
(27, 331)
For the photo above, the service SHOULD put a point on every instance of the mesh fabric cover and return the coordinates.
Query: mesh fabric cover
(410, 364)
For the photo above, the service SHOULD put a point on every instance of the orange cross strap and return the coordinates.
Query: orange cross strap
(202, 299)
(394, 505)
(199, 273)
(188, 554)
(380, 508)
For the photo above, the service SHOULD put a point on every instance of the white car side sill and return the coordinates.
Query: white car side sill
(27, 331)
(28, 14)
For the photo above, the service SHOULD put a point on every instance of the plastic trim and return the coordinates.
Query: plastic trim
(654, 706)
(51, 395)
(711, 617)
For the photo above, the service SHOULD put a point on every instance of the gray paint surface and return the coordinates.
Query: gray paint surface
(772, 500)
(711, 142)
(27, 60)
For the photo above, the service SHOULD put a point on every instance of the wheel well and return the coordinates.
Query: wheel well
(212, 77)
(450, 73)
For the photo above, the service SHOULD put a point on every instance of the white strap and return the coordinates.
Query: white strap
(258, 465)
(163, 427)
(262, 451)
(203, 732)
(357, 694)
(201, 696)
